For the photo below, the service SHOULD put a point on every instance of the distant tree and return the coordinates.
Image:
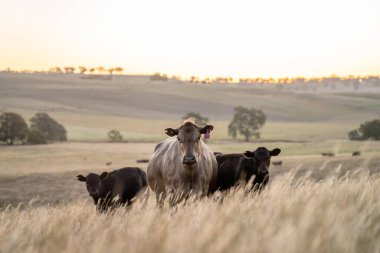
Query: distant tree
(69, 70)
(82, 69)
(199, 120)
(159, 77)
(194, 79)
(367, 130)
(118, 70)
(114, 135)
(55, 70)
(35, 137)
(354, 135)
(91, 70)
(48, 127)
(100, 69)
(12, 128)
(246, 122)
(110, 70)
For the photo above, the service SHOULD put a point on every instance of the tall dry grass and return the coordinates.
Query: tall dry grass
(292, 215)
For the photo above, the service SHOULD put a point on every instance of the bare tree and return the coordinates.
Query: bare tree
(82, 69)
(118, 70)
(69, 70)
(100, 69)
(110, 70)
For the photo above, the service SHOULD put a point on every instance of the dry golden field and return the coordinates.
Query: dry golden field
(313, 204)
(292, 215)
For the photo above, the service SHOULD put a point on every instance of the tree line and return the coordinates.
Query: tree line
(42, 130)
(84, 70)
(246, 122)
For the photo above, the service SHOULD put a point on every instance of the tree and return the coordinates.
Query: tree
(69, 70)
(35, 137)
(367, 130)
(114, 135)
(82, 69)
(118, 70)
(48, 127)
(12, 128)
(110, 70)
(246, 122)
(100, 69)
(159, 77)
(55, 70)
(354, 135)
(199, 120)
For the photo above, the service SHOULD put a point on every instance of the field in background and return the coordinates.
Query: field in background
(141, 109)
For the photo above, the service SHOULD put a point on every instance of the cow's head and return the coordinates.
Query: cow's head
(95, 184)
(92, 183)
(262, 158)
(188, 136)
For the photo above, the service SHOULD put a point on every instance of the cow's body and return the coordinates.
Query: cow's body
(115, 188)
(238, 169)
(181, 165)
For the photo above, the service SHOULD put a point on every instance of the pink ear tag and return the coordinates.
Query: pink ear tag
(207, 135)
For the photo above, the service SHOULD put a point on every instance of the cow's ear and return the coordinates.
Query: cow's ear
(81, 178)
(249, 154)
(207, 128)
(103, 175)
(171, 132)
(275, 152)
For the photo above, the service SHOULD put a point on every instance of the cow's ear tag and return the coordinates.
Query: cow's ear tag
(207, 134)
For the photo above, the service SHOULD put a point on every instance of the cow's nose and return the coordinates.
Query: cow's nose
(263, 170)
(188, 160)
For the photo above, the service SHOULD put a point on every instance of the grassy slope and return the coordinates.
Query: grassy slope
(142, 109)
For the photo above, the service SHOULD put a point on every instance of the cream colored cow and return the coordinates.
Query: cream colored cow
(182, 164)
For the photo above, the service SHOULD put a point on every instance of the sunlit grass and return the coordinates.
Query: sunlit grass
(292, 215)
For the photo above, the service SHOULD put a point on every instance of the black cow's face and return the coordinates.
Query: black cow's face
(262, 158)
(92, 183)
(188, 136)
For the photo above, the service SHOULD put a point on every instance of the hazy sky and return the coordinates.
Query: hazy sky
(201, 37)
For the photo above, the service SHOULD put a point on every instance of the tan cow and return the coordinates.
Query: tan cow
(182, 165)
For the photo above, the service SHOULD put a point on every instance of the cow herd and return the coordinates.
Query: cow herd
(181, 166)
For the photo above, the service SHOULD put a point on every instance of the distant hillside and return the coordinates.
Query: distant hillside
(139, 97)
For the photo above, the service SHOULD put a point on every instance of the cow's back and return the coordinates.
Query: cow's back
(229, 170)
(161, 164)
(127, 182)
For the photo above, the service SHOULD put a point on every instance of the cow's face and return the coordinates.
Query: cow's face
(188, 136)
(92, 183)
(262, 158)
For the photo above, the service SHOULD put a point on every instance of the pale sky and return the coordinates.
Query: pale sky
(199, 37)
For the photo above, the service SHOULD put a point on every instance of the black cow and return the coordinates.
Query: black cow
(115, 188)
(236, 168)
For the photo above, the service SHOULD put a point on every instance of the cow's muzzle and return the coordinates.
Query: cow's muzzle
(189, 160)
